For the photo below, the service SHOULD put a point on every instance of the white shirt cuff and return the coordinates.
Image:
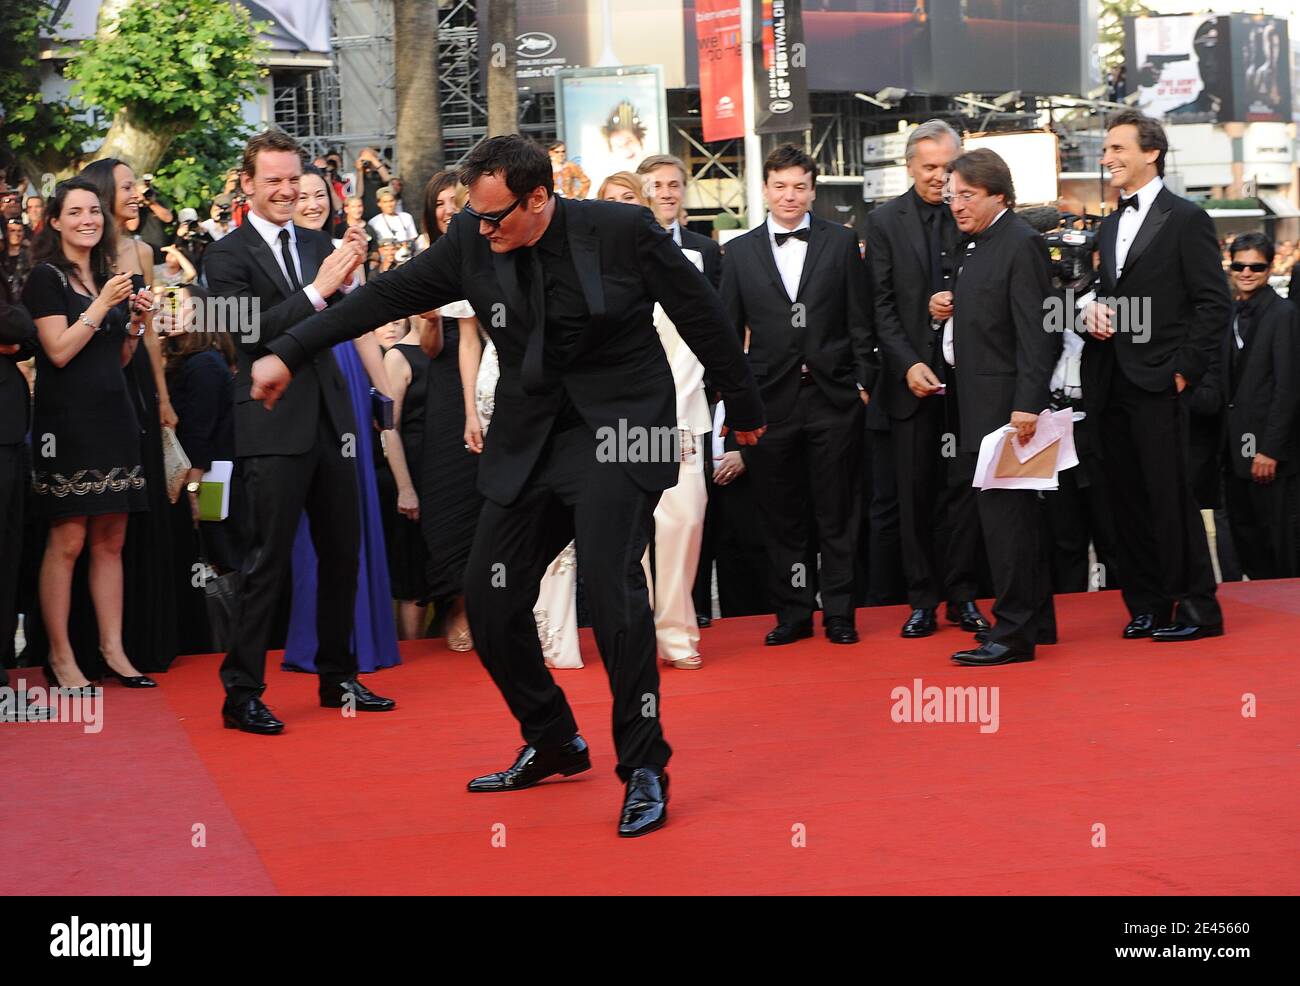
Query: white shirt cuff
(352, 284)
(314, 297)
(1086, 300)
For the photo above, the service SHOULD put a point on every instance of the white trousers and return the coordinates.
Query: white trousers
(679, 531)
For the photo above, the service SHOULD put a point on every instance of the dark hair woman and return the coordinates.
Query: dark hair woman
(151, 622)
(88, 475)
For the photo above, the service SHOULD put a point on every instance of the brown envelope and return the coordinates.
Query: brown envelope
(1041, 465)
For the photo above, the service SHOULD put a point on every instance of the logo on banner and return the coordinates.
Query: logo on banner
(536, 44)
(780, 106)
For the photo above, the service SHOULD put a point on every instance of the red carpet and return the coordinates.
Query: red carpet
(1146, 740)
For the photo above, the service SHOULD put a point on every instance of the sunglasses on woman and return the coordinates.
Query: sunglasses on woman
(1237, 267)
(493, 219)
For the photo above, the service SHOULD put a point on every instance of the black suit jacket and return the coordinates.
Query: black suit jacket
(830, 332)
(617, 375)
(711, 251)
(898, 263)
(16, 326)
(1004, 354)
(1174, 265)
(241, 265)
(1264, 402)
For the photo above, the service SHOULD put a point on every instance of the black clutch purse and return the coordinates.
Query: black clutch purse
(381, 409)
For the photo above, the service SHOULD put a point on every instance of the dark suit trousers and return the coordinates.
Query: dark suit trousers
(1078, 516)
(1015, 537)
(885, 584)
(570, 494)
(1160, 539)
(811, 459)
(938, 519)
(13, 493)
(1262, 517)
(277, 488)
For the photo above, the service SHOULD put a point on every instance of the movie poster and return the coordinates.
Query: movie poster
(611, 118)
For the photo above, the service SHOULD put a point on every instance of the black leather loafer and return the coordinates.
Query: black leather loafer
(921, 623)
(989, 655)
(787, 633)
(350, 692)
(534, 765)
(645, 806)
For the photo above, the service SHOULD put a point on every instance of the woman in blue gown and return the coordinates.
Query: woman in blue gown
(375, 632)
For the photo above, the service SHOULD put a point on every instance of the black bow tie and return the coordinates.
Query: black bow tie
(1128, 203)
(798, 234)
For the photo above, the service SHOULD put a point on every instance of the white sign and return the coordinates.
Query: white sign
(884, 183)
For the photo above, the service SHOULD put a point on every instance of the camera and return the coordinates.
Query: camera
(1070, 250)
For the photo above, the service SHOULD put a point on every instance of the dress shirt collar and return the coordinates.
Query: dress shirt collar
(270, 232)
(676, 230)
(773, 227)
(1148, 192)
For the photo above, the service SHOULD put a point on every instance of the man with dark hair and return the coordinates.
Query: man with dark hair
(566, 289)
(1005, 357)
(297, 455)
(1156, 329)
(797, 283)
(911, 243)
(1261, 375)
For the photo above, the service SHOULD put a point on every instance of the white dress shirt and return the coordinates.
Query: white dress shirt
(676, 230)
(1130, 221)
(949, 350)
(399, 226)
(789, 255)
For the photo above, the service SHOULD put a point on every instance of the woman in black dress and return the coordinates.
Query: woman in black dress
(87, 474)
(407, 366)
(447, 481)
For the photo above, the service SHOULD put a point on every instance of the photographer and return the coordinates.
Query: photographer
(394, 225)
(155, 217)
(220, 219)
(371, 175)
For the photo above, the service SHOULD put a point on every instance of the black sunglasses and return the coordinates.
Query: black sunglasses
(494, 219)
(1237, 266)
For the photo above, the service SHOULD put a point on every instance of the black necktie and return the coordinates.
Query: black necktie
(934, 235)
(287, 255)
(798, 234)
(533, 373)
(1128, 203)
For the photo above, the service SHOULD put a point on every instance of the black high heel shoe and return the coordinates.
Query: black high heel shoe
(52, 679)
(128, 681)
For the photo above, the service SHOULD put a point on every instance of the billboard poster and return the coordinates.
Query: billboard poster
(780, 73)
(1261, 68)
(722, 91)
(1183, 66)
(611, 118)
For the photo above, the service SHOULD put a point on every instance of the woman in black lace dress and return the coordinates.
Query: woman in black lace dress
(87, 473)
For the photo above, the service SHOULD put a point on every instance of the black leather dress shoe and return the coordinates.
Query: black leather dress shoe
(352, 693)
(1186, 631)
(132, 680)
(645, 806)
(250, 716)
(990, 654)
(840, 631)
(1140, 626)
(1042, 638)
(967, 616)
(787, 633)
(921, 623)
(702, 621)
(533, 765)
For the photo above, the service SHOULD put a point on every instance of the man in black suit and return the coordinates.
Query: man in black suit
(665, 177)
(294, 456)
(797, 283)
(582, 434)
(911, 243)
(1261, 373)
(1155, 329)
(1006, 354)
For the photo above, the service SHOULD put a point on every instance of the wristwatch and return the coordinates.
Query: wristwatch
(192, 487)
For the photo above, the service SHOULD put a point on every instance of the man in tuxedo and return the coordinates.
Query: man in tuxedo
(1155, 329)
(298, 454)
(797, 283)
(665, 178)
(911, 243)
(566, 288)
(1260, 369)
(1006, 355)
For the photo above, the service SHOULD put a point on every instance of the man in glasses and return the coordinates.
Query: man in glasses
(1261, 371)
(566, 289)
(1161, 266)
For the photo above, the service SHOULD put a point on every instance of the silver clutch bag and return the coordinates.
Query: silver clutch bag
(176, 464)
